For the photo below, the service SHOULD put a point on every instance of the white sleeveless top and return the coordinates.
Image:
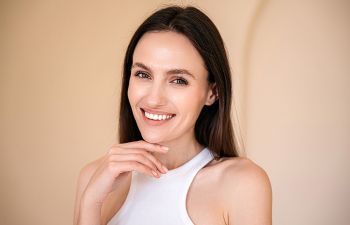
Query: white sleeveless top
(161, 201)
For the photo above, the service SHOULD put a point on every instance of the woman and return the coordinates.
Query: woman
(176, 162)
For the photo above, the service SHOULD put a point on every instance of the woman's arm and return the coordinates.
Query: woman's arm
(100, 178)
(80, 208)
(248, 194)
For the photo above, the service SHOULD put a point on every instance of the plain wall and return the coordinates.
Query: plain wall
(60, 73)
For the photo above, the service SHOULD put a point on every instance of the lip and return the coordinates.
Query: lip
(155, 122)
(157, 112)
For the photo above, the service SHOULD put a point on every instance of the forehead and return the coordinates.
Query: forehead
(166, 50)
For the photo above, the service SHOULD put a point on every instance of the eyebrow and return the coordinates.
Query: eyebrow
(169, 72)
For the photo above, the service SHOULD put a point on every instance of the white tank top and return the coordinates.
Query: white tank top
(161, 201)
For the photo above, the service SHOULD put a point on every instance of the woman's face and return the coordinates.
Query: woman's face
(168, 87)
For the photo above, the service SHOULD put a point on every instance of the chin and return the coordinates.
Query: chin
(152, 139)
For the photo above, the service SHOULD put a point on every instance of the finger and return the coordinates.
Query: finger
(145, 145)
(151, 157)
(128, 166)
(133, 157)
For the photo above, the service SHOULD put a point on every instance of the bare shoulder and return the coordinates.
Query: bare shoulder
(235, 169)
(247, 193)
(84, 177)
(244, 171)
(88, 170)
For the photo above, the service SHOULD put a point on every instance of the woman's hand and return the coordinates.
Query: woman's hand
(122, 159)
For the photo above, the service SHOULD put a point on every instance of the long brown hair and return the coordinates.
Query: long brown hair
(213, 127)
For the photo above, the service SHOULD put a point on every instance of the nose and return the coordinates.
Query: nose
(156, 95)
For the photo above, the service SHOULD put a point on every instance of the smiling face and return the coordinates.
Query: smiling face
(168, 87)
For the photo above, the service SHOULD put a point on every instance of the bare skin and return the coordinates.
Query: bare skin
(214, 197)
(168, 76)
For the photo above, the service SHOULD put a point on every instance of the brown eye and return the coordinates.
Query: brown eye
(141, 75)
(181, 81)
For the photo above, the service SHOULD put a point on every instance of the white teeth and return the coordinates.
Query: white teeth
(157, 117)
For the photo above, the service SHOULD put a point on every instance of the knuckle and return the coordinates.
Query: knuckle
(138, 157)
(110, 151)
(111, 166)
(143, 153)
(113, 150)
(110, 158)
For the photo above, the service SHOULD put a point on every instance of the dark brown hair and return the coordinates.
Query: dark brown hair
(213, 127)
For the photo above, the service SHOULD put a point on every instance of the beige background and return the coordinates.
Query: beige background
(60, 72)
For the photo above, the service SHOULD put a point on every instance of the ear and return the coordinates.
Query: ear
(212, 94)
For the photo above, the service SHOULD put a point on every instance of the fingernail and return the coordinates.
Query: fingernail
(154, 173)
(165, 169)
(165, 148)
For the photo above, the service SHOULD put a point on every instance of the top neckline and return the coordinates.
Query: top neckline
(204, 153)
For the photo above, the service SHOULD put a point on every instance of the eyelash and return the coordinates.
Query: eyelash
(184, 82)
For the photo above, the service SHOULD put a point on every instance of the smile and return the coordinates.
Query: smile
(157, 117)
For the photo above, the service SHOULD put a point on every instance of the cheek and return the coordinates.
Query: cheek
(130, 93)
(189, 102)
(134, 92)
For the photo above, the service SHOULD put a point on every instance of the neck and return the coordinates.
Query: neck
(179, 152)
